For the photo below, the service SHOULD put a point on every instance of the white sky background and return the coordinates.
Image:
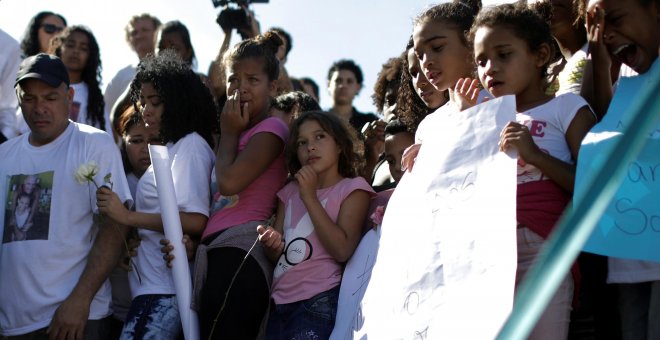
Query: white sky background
(367, 31)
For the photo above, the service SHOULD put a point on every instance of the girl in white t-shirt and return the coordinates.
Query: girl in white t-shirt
(174, 100)
(317, 227)
(512, 50)
(79, 51)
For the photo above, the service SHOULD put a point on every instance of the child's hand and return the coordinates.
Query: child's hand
(517, 136)
(595, 23)
(271, 239)
(132, 243)
(307, 181)
(409, 157)
(233, 118)
(110, 205)
(167, 249)
(467, 92)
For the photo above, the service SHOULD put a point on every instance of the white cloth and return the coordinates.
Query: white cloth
(570, 78)
(38, 274)
(548, 124)
(428, 124)
(118, 85)
(78, 110)
(624, 270)
(192, 160)
(10, 59)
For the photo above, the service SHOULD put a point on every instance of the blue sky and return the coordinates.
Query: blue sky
(368, 31)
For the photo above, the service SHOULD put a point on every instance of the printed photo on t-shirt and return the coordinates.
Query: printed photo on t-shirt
(27, 213)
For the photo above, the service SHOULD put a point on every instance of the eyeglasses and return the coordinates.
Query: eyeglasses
(50, 28)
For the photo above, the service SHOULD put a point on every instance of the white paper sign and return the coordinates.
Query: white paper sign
(445, 267)
(160, 160)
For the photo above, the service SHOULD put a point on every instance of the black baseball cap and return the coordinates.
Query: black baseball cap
(45, 67)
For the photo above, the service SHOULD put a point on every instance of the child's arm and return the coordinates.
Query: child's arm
(340, 239)
(517, 136)
(597, 80)
(109, 204)
(234, 172)
(409, 156)
(271, 236)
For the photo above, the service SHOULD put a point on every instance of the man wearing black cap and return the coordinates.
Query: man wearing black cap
(53, 278)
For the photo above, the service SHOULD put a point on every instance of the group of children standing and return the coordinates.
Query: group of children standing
(305, 167)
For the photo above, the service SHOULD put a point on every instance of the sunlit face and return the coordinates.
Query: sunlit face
(152, 106)
(631, 31)
(175, 42)
(49, 27)
(317, 148)
(431, 97)
(343, 87)
(75, 52)
(23, 204)
(137, 140)
(141, 36)
(505, 63)
(443, 55)
(394, 147)
(45, 109)
(249, 77)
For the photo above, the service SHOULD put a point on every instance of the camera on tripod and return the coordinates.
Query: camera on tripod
(234, 16)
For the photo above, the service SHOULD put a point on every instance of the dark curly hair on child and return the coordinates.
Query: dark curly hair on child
(286, 102)
(30, 43)
(389, 77)
(91, 74)
(529, 23)
(188, 104)
(351, 158)
(262, 46)
(410, 109)
(460, 14)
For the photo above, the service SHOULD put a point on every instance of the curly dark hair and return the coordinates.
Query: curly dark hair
(389, 77)
(30, 43)
(285, 102)
(529, 23)
(262, 46)
(459, 14)
(410, 109)
(351, 158)
(91, 74)
(188, 104)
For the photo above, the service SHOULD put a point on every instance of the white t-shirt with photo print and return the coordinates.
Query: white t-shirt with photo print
(39, 273)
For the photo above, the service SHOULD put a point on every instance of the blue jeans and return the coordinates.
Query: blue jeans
(311, 319)
(152, 316)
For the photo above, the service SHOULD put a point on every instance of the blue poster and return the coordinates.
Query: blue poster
(630, 227)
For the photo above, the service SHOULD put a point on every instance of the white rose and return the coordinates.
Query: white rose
(86, 172)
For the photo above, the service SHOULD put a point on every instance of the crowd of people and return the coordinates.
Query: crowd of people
(274, 194)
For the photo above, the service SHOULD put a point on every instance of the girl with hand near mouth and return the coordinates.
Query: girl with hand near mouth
(317, 227)
(249, 170)
(512, 49)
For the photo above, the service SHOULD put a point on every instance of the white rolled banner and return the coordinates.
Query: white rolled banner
(169, 211)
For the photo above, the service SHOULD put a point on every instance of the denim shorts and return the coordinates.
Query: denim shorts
(313, 318)
(152, 316)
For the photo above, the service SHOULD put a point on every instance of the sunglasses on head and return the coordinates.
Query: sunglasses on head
(50, 28)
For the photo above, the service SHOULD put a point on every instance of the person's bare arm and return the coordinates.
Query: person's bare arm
(71, 316)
